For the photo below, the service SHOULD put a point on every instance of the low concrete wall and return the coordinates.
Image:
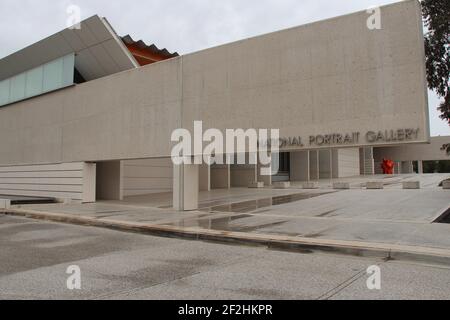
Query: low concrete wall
(147, 176)
(242, 176)
(220, 177)
(74, 181)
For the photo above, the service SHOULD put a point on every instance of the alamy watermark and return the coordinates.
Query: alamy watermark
(235, 146)
(374, 20)
(374, 280)
(74, 280)
(73, 21)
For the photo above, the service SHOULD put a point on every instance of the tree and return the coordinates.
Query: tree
(436, 14)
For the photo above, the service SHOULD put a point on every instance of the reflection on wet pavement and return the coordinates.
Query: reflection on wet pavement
(252, 205)
(227, 222)
(239, 217)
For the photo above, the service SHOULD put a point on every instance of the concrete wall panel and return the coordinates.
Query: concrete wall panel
(205, 177)
(348, 163)
(125, 116)
(310, 80)
(75, 181)
(242, 175)
(320, 78)
(147, 176)
(186, 187)
(300, 166)
(220, 177)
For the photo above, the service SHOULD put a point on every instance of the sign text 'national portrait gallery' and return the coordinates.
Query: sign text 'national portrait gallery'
(354, 138)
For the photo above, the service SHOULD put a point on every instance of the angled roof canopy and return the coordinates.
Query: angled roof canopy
(99, 51)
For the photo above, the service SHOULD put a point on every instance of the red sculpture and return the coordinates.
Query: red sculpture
(388, 166)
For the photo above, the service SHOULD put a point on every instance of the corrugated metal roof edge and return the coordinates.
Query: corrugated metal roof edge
(128, 40)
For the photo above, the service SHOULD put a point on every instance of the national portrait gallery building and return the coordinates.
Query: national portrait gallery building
(88, 115)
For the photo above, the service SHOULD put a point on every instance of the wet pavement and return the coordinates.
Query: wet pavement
(392, 215)
(252, 205)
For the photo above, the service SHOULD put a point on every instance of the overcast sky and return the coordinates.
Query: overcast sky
(179, 25)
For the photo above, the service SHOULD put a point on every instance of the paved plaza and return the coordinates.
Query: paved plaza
(391, 216)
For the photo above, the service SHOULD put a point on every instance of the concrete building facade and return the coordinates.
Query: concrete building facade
(339, 92)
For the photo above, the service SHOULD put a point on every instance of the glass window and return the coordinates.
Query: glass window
(34, 82)
(51, 76)
(4, 92)
(17, 91)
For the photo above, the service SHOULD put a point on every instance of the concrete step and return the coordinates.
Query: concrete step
(411, 185)
(256, 185)
(374, 185)
(341, 185)
(311, 185)
(282, 185)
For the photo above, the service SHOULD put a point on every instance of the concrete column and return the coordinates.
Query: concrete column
(90, 183)
(205, 177)
(362, 161)
(314, 165)
(370, 162)
(186, 187)
(300, 166)
(336, 163)
(110, 180)
(420, 167)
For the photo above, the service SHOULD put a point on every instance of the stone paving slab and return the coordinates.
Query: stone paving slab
(395, 205)
(386, 218)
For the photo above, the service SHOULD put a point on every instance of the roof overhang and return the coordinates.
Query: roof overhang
(99, 51)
